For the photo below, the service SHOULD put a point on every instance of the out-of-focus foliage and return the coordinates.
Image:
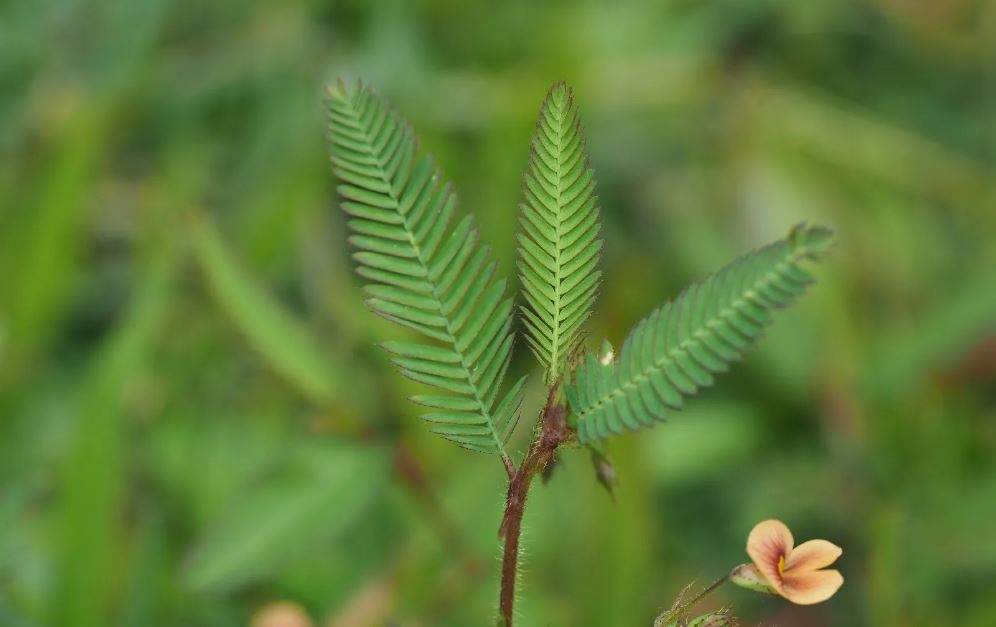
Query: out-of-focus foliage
(168, 457)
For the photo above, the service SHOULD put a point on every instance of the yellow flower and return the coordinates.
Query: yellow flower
(794, 572)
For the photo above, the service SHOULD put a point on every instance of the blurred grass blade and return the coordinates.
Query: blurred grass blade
(899, 360)
(287, 518)
(283, 341)
(873, 146)
(40, 241)
(150, 571)
(95, 467)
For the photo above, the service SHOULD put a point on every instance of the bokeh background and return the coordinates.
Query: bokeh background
(194, 420)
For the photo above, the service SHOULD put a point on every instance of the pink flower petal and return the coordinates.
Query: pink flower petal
(812, 555)
(811, 587)
(768, 543)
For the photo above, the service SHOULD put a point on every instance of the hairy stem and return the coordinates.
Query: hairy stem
(680, 608)
(712, 587)
(553, 432)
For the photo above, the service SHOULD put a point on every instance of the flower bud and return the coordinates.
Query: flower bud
(719, 618)
(747, 576)
(607, 354)
(550, 468)
(605, 472)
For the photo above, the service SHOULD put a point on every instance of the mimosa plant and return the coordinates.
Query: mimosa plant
(425, 269)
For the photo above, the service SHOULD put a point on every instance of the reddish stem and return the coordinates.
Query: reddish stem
(552, 434)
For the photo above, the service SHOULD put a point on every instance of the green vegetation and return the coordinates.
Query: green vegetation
(427, 277)
(677, 348)
(425, 273)
(195, 420)
(559, 253)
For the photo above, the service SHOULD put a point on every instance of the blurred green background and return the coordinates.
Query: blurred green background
(194, 420)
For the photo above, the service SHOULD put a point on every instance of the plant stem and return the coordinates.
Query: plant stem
(712, 587)
(553, 432)
(680, 609)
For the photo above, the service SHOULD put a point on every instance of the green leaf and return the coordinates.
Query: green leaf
(426, 271)
(559, 245)
(43, 233)
(288, 517)
(282, 340)
(679, 347)
(96, 465)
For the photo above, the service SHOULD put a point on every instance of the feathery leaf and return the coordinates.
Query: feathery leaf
(678, 348)
(559, 246)
(425, 271)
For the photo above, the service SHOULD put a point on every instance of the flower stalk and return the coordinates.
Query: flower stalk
(679, 611)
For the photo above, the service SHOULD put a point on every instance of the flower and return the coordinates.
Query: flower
(794, 572)
(281, 614)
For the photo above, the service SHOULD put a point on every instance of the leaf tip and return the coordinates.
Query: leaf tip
(812, 241)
